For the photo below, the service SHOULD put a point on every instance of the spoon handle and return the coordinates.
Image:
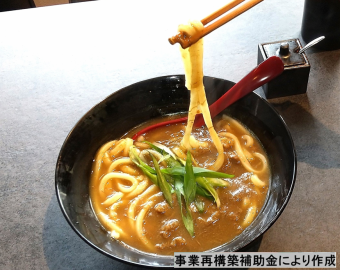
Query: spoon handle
(312, 43)
(259, 76)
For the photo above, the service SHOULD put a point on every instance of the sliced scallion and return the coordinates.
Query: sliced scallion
(164, 186)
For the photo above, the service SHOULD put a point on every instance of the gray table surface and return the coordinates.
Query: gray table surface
(57, 62)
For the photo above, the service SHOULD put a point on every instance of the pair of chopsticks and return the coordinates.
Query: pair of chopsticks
(239, 8)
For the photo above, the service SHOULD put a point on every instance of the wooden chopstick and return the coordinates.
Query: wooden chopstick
(229, 16)
(221, 11)
(187, 41)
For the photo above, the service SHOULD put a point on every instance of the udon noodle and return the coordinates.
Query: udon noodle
(180, 188)
(193, 66)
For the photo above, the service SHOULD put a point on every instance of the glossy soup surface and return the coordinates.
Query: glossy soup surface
(162, 230)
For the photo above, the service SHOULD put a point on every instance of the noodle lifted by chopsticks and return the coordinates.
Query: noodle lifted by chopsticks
(193, 65)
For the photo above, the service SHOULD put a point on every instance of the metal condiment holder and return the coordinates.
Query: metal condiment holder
(294, 79)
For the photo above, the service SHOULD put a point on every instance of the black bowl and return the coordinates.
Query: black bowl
(140, 102)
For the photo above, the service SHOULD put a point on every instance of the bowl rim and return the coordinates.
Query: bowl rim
(262, 231)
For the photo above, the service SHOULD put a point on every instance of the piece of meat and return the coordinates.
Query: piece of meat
(165, 234)
(193, 208)
(170, 225)
(214, 217)
(161, 207)
(178, 241)
(233, 155)
(162, 246)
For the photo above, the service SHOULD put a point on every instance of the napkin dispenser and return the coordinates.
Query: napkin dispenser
(294, 79)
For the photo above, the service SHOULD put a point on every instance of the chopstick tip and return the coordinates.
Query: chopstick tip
(172, 41)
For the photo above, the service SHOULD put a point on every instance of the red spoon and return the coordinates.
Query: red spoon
(263, 73)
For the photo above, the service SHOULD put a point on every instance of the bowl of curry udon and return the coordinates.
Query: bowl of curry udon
(115, 205)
